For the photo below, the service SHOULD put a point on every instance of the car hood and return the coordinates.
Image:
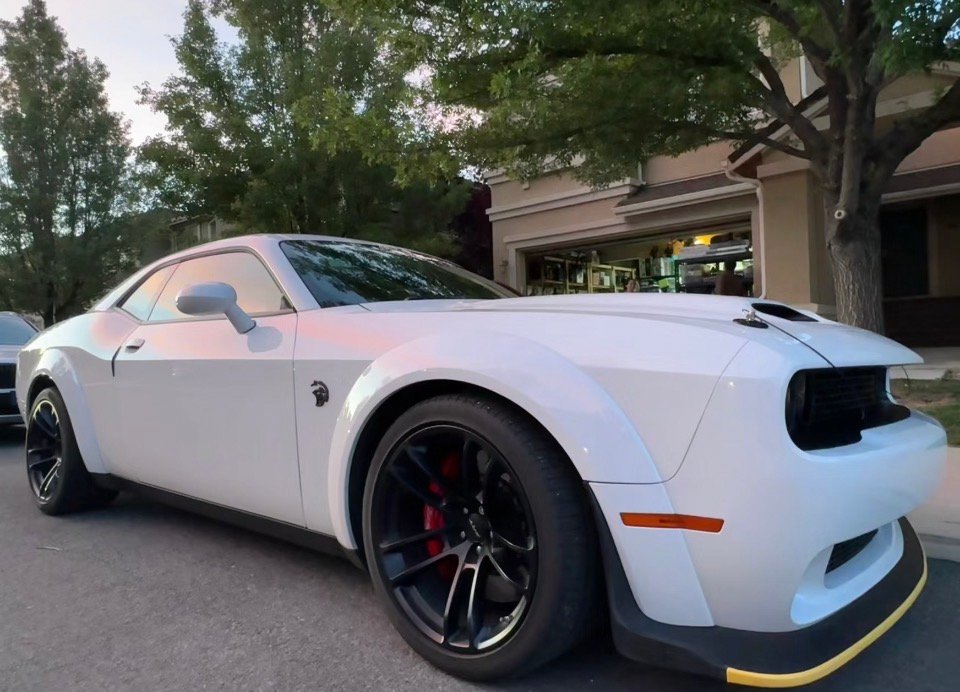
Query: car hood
(8, 353)
(840, 345)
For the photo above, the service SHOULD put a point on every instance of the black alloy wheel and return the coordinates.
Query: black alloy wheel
(58, 478)
(44, 450)
(478, 537)
(455, 535)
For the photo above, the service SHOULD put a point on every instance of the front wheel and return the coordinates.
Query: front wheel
(58, 478)
(478, 538)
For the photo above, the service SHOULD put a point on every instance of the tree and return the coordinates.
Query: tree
(266, 132)
(62, 181)
(617, 82)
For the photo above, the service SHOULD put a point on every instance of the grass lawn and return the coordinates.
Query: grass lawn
(937, 398)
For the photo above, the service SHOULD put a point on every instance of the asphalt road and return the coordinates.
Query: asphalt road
(139, 596)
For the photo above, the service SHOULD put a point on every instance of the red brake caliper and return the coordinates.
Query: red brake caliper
(433, 518)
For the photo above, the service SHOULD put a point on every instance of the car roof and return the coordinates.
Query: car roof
(258, 239)
(258, 242)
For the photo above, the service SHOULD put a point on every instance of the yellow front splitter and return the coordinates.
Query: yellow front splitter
(805, 677)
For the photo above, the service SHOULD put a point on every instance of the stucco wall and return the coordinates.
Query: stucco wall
(913, 84)
(702, 161)
(822, 290)
(555, 220)
(789, 222)
(940, 149)
(790, 76)
(511, 192)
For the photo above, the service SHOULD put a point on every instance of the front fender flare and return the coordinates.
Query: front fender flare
(594, 432)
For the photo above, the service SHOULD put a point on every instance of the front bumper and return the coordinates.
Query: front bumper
(764, 659)
(9, 411)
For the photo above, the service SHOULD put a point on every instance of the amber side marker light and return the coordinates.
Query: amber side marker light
(672, 521)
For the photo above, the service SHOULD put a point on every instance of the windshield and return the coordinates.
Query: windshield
(345, 273)
(14, 331)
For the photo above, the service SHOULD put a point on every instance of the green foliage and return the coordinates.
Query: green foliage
(937, 398)
(296, 128)
(611, 83)
(63, 185)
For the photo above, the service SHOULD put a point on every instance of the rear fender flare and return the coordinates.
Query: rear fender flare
(55, 365)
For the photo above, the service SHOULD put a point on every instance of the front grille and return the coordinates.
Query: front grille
(843, 552)
(831, 407)
(8, 404)
(844, 393)
(8, 375)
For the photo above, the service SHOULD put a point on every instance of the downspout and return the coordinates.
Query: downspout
(758, 186)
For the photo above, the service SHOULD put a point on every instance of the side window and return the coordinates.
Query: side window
(257, 292)
(140, 302)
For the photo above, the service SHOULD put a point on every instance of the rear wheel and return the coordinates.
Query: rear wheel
(59, 480)
(478, 538)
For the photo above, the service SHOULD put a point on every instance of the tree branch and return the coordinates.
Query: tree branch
(785, 148)
(681, 55)
(767, 141)
(781, 107)
(773, 94)
(908, 134)
(748, 138)
(946, 23)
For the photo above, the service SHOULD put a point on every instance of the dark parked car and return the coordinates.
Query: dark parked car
(15, 331)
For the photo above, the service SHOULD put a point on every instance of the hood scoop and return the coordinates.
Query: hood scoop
(784, 312)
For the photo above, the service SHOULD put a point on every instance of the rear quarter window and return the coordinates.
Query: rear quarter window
(141, 301)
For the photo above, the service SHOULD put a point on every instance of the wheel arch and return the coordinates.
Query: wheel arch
(39, 383)
(389, 410)
(54, 369)
(569, 405)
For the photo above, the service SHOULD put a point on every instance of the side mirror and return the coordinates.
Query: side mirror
(214, 298)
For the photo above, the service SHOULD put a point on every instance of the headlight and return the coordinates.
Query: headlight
(830, 407)
(796, 407)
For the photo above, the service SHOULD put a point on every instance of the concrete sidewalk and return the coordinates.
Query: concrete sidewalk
(937, 364)
(938, 521)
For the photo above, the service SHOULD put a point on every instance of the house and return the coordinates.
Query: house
(188, 231)
(672, 225)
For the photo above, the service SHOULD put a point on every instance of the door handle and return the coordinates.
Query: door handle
(133, 345)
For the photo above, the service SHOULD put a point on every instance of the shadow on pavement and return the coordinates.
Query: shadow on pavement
(11, 435)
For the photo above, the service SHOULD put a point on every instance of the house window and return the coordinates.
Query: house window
(904, 252)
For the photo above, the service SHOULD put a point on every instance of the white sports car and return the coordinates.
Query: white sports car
(728, 476)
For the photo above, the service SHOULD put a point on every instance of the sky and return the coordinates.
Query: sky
(131, 37)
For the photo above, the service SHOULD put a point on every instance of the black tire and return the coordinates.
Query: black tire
(564, 599)
(56, 473)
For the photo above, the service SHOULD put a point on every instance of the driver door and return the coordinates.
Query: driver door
(207, 412)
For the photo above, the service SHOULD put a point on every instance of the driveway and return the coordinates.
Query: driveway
(142, 597)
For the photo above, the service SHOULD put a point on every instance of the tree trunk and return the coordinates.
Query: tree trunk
(48, 314)
(854, 247)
